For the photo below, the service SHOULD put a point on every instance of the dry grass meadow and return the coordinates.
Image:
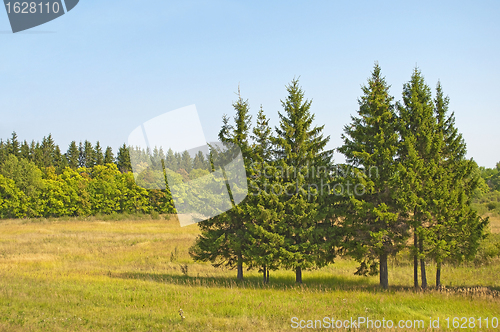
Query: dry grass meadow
(136, 274)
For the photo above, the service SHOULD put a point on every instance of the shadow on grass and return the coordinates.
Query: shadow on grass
(323, 283)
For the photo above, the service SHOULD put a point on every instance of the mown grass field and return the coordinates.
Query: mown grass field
(126, 275)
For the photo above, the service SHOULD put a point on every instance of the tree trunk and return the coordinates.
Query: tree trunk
(384, 273)
(438, 276)
(415, 259)
(422, 266)
(267, 275)
(298, 275)
(240, 268)
(264, 273)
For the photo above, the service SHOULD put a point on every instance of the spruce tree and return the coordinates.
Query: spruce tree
(171, 161)
(89, 154)
(178, 160)
(419, 152)
(98, 155)
(300, 151)
(186, 162)
(24, 150)
(36, 152)
(48, 155)
(60, 161)
(3, 151)
(371, 217)
(109, 158)
(123, 159)
(224, 238)
(81, 155)
(13, 146)
(199, 161)
(455, 228)
(73, 155)
(263, 207)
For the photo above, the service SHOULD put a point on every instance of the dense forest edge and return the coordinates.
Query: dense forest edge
(427, 198)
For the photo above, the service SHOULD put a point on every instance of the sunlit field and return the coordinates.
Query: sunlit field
(135, 275)
(494, 223)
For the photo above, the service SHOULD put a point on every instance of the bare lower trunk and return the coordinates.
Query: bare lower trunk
(415, 259)
(240, 268)
(298, 275)
(423, 274)
(264, 270)
(267, 275)
(384, 273)
(422, 266)
(438, 276)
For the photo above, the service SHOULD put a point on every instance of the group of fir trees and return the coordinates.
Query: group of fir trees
(423, 184)
(48, 154)
(281, 222)
(174, 161)
(409, 185)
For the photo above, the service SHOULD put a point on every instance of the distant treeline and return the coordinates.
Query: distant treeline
(38, 180)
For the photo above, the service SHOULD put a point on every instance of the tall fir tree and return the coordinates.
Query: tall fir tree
(48, 155)
(89, 155)
(36, 153)
(186, 162)
(419, 150)
(224, 238)
(81, 155)
(123, 159)
(73, 155)
(264, 208)
(98, 155)
(25, 150)
(178, 160)
(199, 161)
(300, 150)
(3, 151)
(171, 161)
(371, 216)
(60, 161)
(109, 158)
(13, 146)
(454, 229)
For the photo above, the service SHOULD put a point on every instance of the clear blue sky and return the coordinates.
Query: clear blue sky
(107, 66)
